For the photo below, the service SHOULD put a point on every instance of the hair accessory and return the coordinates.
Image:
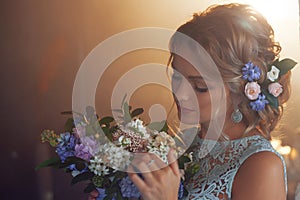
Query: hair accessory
(272, 89)
(236, 116)
(269, 90)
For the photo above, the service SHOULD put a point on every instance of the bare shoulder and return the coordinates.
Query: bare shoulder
(261, 176)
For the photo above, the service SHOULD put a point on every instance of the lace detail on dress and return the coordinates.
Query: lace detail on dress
(219, 162)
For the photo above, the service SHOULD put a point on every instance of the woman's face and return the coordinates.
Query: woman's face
(188, 85)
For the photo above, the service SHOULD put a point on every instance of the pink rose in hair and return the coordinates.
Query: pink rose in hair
(275, 89)
(252, 90)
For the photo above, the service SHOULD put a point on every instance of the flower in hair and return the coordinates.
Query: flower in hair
(251, 72)
(275, 89)
(273, 74)
(260, 103)
(252, 90)
(270, 89)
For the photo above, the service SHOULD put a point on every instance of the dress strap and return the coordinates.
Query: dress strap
(257, 146)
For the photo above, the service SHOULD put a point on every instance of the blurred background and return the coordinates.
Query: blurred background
(43, 44)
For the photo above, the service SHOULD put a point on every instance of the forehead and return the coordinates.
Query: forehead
(183, 66)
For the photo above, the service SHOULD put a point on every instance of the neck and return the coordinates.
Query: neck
(232, 130)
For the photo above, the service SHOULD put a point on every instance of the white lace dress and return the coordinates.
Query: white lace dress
(219, 163)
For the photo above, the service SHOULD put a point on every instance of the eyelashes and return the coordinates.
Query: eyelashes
(202, 90)
(198, 85)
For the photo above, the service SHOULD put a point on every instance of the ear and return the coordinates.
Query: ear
(235, 99)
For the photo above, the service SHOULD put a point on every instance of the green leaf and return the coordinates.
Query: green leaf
(137, 112)
(126, 111)
(159, 126)
(74, 160)
(82, 177)
(273, 101)
(69, 125)
(108, 133)
(285, 65)
(119, 196)
(89, 188)
(50, 162)
(106, 120)
(275, 63)
(182, 160)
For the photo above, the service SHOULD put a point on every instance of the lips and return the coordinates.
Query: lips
(184, 110)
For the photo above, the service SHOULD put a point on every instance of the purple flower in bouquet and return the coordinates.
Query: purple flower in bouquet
(91, 143)
(128, 189)
(102, 194)
(82, 151)
(66, 145)
(181, 190)
(76, 171)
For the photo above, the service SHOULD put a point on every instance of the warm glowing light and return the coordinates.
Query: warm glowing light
(274, 10)
(294, 154)
(285, 150)
(276, 143)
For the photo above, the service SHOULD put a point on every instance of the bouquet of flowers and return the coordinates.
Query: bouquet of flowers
(101, 160)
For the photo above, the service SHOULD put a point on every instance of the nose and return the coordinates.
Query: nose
(182, 91)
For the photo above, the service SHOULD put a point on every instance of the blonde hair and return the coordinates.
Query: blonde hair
(233, 35)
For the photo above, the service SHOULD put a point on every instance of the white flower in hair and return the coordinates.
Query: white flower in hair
(273, 74)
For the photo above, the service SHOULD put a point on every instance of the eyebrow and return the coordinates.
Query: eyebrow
(190, 77)
(195, 77)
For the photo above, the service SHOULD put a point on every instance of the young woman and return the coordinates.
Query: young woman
(244, 165)
(241, 163)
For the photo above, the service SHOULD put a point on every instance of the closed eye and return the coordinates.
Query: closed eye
(199, 89)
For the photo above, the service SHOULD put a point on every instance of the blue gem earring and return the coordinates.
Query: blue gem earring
(236, 116)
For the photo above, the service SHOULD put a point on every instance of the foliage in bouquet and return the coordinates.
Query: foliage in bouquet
(101, 161)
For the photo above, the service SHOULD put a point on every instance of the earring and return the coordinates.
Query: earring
(236, 116)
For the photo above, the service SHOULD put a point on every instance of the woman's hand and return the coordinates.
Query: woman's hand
(157, 183)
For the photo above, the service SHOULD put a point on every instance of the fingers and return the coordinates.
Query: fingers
(153, 178)
(138, 181)
(146, 162)
(173, 163)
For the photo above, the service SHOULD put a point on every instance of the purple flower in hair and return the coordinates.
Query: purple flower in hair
(260, 103)
(251, 72)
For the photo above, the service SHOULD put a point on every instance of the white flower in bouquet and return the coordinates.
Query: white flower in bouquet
(160, 145)
(138, 126)
(98, 167)
(118, 158)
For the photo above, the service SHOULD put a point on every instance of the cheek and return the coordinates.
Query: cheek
(204, 102)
